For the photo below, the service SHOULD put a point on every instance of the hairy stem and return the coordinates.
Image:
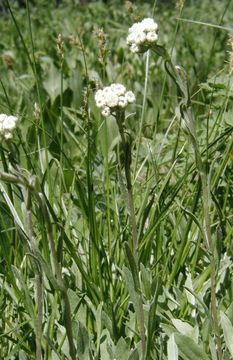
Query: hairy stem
(127, 166)
(58, 272)
(38, 277)
(39, 297)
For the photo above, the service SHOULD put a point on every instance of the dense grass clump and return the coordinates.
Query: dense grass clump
(116, 205)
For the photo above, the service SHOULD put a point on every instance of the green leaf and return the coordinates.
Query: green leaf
(146, 280)
(133, 266)
(172, 350)
(186, 329)
(108, 136)
(122, 350)
(27, 300)
(227, 331)
(188, 349)
(134, 355)
(131, 288)
(82, 342)
(74, 300)
(98, 316)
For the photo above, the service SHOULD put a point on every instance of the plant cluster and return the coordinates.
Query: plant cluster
(116, 226)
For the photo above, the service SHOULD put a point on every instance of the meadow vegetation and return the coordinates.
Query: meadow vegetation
(116, 232)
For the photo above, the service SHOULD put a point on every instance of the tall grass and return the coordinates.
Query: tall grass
(104, 256)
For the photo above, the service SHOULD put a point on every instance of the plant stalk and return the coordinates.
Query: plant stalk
(58, 272)
(127, 166)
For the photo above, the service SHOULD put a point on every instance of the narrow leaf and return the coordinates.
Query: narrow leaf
(188, 349)
(227, 331)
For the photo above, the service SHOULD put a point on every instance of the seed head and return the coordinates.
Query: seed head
(60, 46)
(230, 59)
(103, 50)
(180, 4)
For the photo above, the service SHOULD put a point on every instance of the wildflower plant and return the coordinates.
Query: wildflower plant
(113, 100)
(139, 42)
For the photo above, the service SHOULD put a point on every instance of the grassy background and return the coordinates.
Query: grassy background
(72, 156)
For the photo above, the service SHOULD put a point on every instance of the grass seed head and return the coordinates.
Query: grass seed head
(103, 50)
(230, 59)
(60, 47)
(180, 4)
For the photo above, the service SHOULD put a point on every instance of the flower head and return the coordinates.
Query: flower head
(113, 98)
(7, 126)
(142, 35)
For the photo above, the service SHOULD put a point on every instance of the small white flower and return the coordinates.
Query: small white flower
(142, 35)
(140, 38)
(10, 122)
(99, 95)
(149, 24)
(130, 38)
(122, 101)
(119, 89)
(2, 117)
(107, 90)
(130, 97)
(7, 126)
(134, 28)
(134, 48)
(106, 111)
(151, 37)
(8, 135)
(100, 102)
(113, 98)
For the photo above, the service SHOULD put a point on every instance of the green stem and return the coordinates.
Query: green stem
(143, 109)
(38, 273)
(39, 280)
(39, 296)
(62, 119)
(120, 116)
(58, 272)
(127, 164)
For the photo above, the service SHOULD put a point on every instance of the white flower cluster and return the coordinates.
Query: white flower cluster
(113, 97)
(142, 35)
(7, 126)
